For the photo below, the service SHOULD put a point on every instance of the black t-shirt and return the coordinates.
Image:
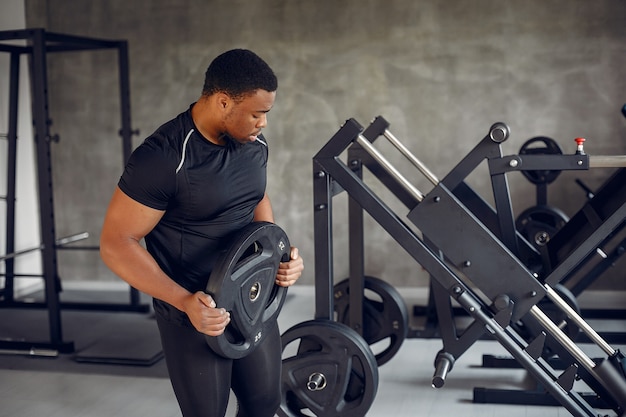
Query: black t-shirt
(207, 191)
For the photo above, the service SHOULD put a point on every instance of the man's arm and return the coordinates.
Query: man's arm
(125, 224)
(263, 211)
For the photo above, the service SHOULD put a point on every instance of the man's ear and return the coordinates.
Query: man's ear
(223, 100)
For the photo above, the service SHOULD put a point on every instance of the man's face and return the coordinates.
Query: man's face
(244, 119)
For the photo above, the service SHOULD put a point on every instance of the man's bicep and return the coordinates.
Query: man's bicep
(127, 218)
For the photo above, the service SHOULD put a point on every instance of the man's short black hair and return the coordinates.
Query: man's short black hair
(238, 72)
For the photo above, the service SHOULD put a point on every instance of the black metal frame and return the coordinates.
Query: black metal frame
(38, 44)
(464, 241)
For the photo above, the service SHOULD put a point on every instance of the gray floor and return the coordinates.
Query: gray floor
(404, 387)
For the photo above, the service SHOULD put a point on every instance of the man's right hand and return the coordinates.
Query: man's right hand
(204, 314)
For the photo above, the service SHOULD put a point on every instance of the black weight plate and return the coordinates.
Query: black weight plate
(243, 283)
(385, 316)
(539, 224)
(328, 371)
(541, 145)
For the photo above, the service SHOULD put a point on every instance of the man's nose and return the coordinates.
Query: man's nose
(262, 122)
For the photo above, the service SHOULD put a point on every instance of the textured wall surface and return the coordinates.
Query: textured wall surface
(441, 72)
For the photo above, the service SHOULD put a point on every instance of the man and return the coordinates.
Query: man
(193, 182)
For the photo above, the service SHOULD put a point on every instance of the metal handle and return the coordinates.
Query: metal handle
(443, 365)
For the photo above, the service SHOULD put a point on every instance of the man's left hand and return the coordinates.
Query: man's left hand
(289, 272)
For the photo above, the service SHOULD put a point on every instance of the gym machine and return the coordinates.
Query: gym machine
(36, 44)
(475, 256)
(554, 234)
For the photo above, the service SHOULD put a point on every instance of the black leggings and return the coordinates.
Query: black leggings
(202, 380)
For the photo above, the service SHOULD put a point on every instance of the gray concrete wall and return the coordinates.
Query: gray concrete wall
(440, 71)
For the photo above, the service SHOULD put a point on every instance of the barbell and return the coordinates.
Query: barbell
(243, 283)
(57, 244)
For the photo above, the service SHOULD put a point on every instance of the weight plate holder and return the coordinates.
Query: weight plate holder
(243, 283)
(328, 370)
(385, 315)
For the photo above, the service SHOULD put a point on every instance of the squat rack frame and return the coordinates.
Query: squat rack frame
(38, 43)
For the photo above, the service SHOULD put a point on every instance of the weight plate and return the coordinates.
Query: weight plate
(328, 370)
(243, 283)
(541, 145)
(540, 223)
(385, 315)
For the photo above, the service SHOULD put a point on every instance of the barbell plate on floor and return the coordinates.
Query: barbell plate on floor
(243, 283)
(328, 371)
(385, 315)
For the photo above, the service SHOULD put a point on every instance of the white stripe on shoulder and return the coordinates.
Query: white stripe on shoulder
(261, 141)
(182, 158)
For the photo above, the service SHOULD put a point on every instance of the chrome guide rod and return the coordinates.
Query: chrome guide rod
(367, 145)
(608, 161)
(565, 341)
(580, 322)
(405, 151)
